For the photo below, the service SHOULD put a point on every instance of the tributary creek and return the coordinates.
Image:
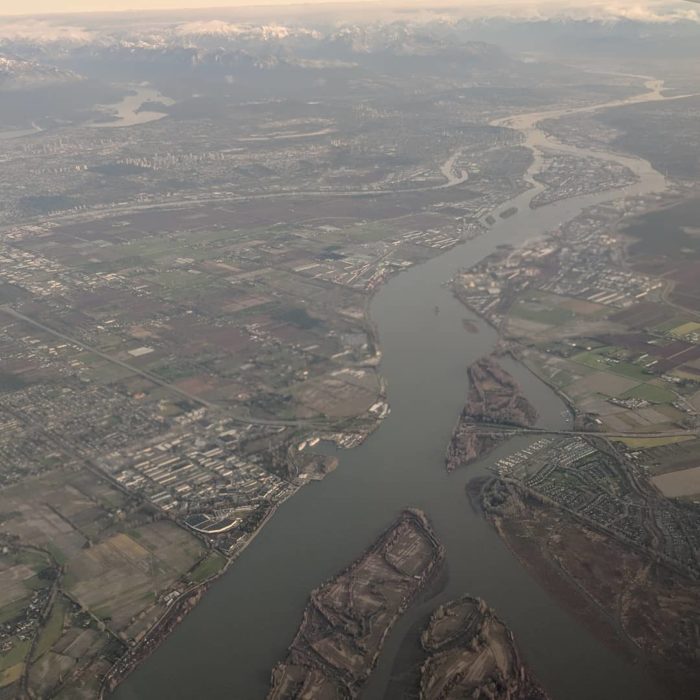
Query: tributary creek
(226, 647)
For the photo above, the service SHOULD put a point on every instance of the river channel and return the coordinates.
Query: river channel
(226, 647)
(128, 111)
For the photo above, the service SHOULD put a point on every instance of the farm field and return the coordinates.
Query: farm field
(111, 562)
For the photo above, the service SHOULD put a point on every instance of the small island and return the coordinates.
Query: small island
(471, 654)
(347, 619)
(494, 399)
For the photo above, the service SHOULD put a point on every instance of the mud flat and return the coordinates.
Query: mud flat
(470, 326)
(494, 398)
(347, 619)
(472, 654)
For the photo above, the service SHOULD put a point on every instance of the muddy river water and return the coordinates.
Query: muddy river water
(225, 648)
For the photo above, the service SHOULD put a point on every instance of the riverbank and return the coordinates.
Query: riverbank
(635, 607)
(472, 653)
(423, 358)
(347, 619)
(494, 399)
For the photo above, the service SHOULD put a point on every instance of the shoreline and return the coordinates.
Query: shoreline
(607, 625)
(373, 335)
(330, 613)
(180, 606)
(482, 409)
(558, 589)
(513, 348)
(466, 631)
(372, 331)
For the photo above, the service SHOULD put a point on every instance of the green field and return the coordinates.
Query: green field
(556, 375)
(645, 443)
(562, 379)
(53, 628)
(11, 611)
(13, 606)
(11, 675)
(684, 329)
(16, 655)
(597, 360)
(550, 317)
(56, 553)
(210, 565)
(671, 323)
(651, 393)
(30, 557)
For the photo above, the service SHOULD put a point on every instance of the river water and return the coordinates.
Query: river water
(127, 112)
(226, 648)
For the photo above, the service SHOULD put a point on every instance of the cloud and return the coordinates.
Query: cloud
(647, 11)
(214, 27)
(653, 13)
(43, 31)
(260, 23)
(221, 28)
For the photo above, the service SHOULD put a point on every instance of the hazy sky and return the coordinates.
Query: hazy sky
(25, 7)
(638, 9)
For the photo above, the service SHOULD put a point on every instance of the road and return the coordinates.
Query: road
(184, 202)
(518, 430)
(155, 379)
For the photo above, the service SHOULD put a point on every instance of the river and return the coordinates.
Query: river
(226, 648)
(128, 112)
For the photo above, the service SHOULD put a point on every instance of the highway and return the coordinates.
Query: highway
(503, 428)
(155, 379)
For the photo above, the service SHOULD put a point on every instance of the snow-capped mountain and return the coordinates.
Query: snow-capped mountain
(21, 73)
